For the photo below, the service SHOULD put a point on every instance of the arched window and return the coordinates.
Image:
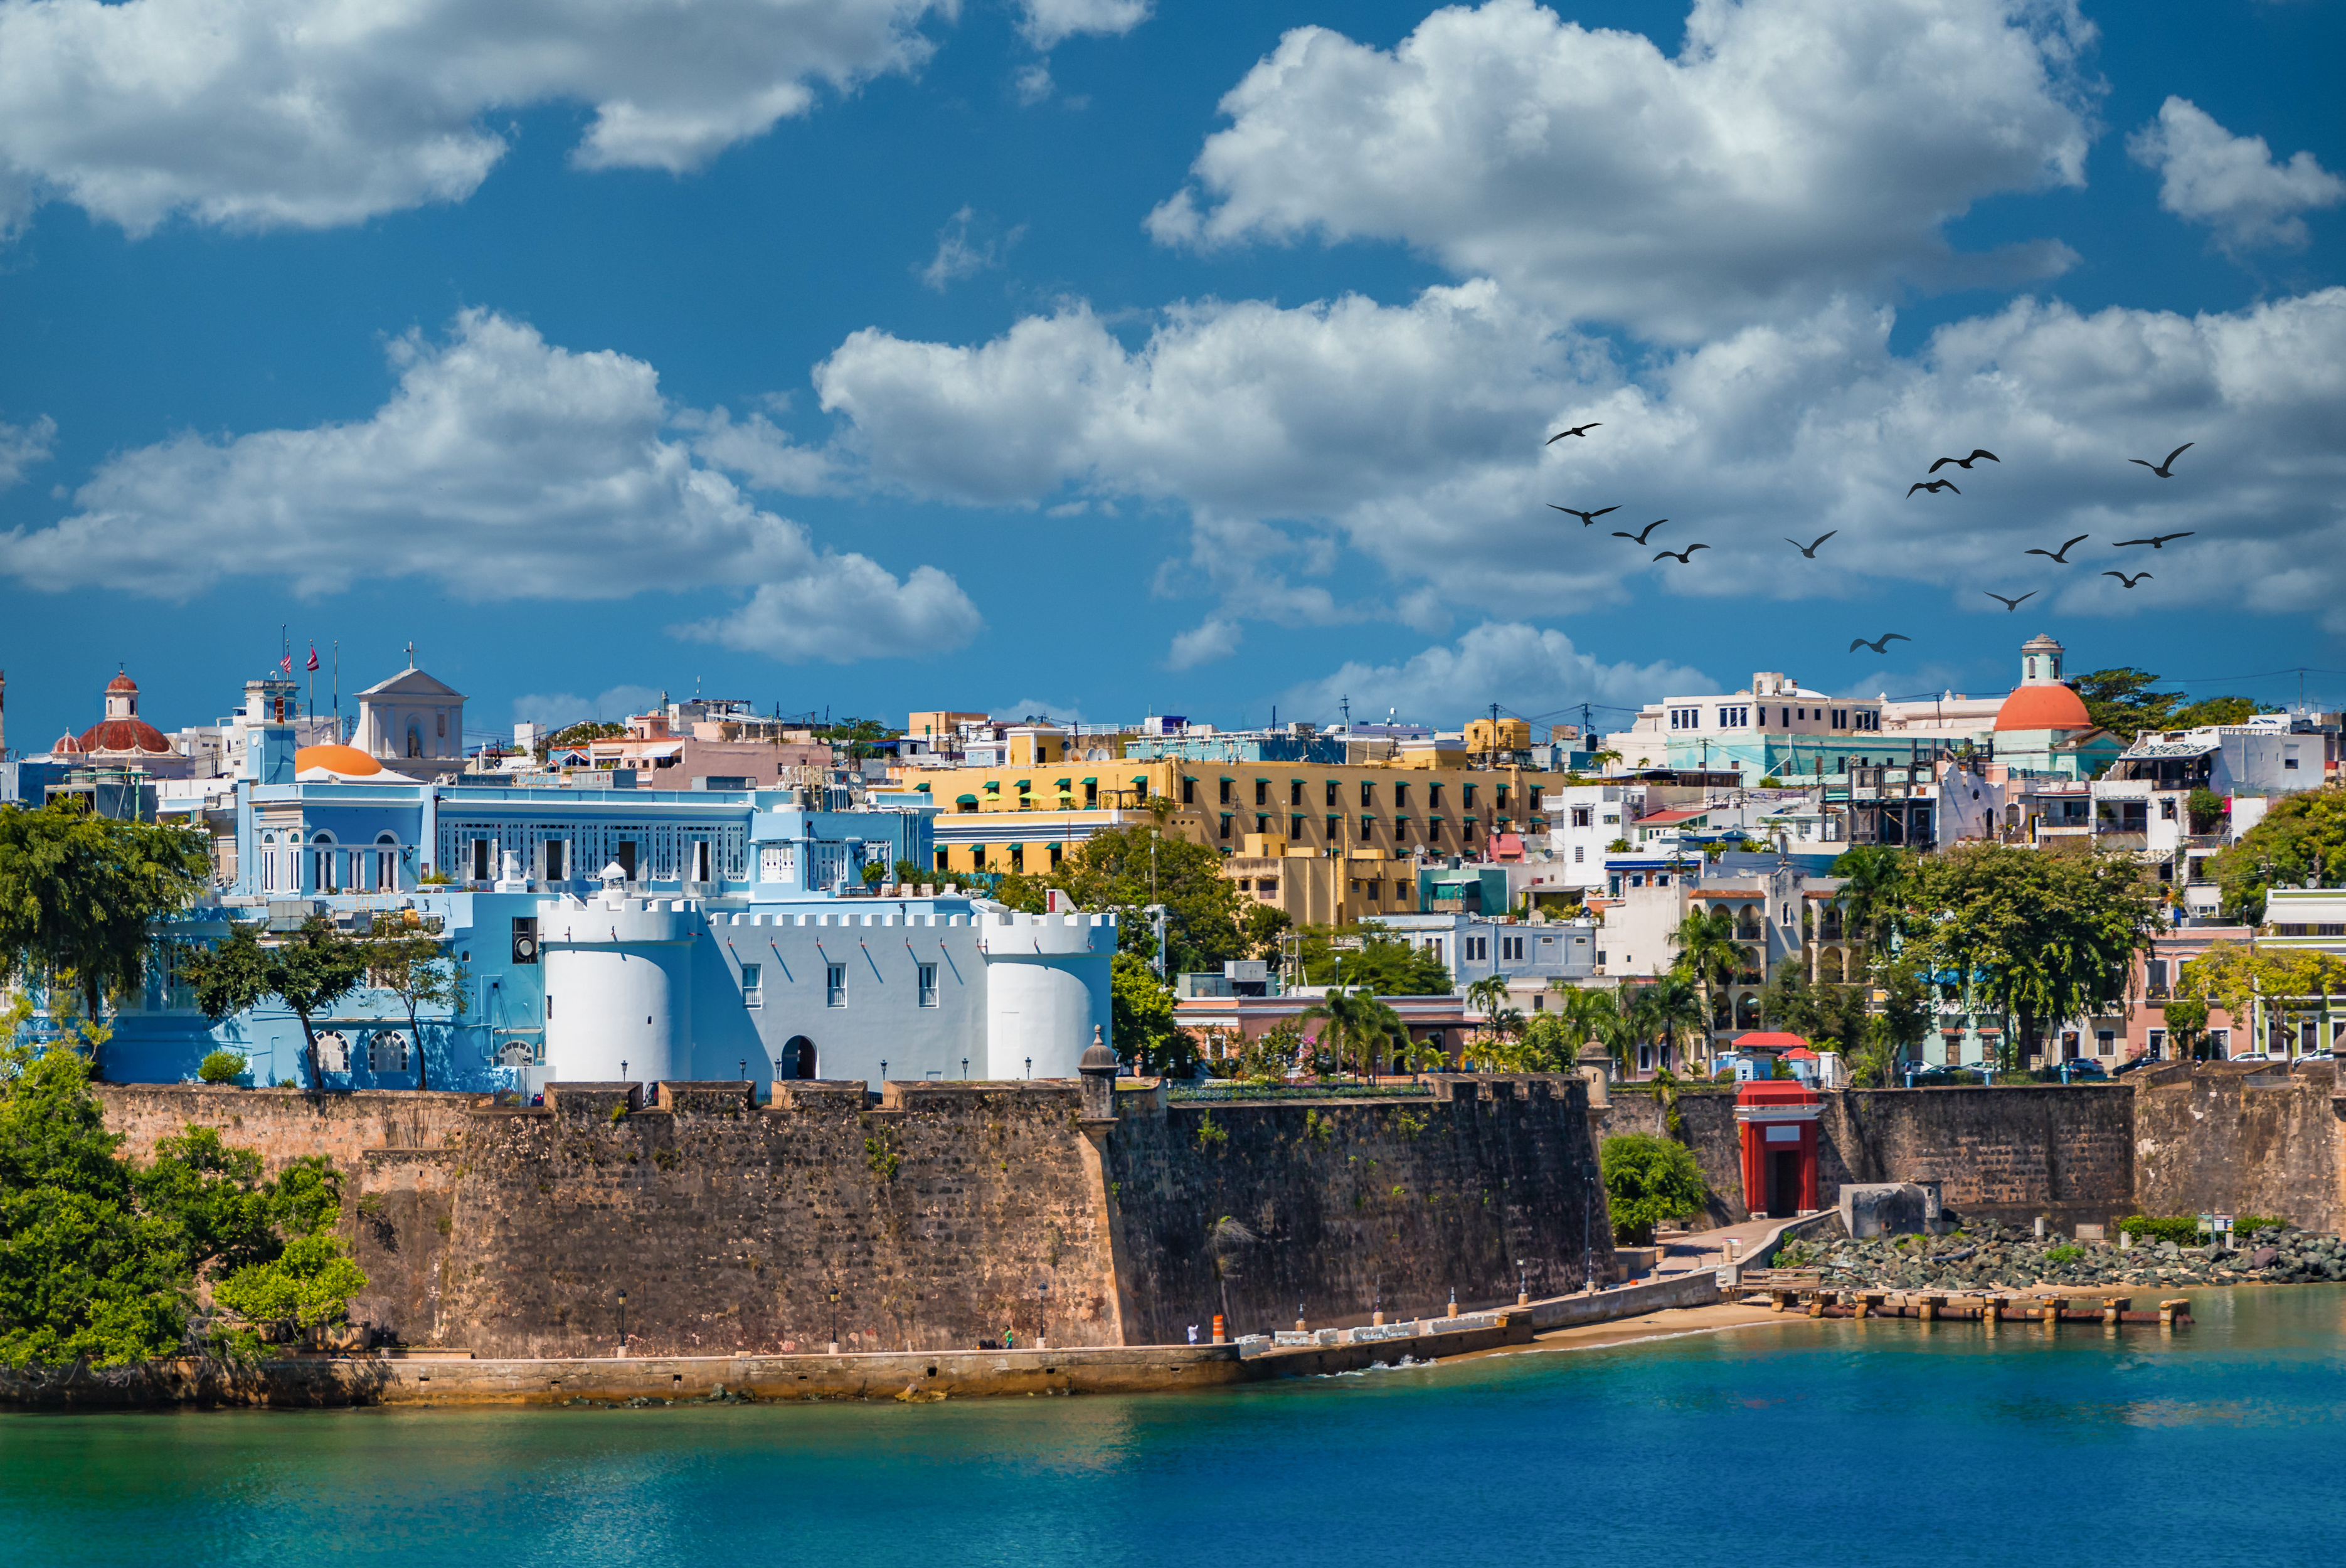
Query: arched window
(387, 1051)
(268, 863)
(1828, 967)
(514, 1053)
(334, 1050)
(1746, 1011)
(386, 862)
(798, 1057)
(327, 865)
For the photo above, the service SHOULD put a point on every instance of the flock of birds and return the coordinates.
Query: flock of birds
(2163, 469)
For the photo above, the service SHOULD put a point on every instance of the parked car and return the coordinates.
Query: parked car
(2254, 1056)
(2084, 1067)
(2135, 1065)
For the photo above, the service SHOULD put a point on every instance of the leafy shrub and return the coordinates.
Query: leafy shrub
(2182, 1229)
(2250, 1224)
(1210, 1132)
(1649, 1179)
(2064, 1253)
(221, 1067)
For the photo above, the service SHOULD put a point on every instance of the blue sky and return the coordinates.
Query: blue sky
(1082, 356)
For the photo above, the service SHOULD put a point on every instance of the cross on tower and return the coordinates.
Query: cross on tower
(410, 655)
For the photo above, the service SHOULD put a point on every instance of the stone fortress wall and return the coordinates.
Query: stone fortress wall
(2211, 1138)
(942, 1216)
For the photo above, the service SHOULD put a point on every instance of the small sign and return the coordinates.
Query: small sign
(2207, 1222)
(2223, 1221)
(1345, 943)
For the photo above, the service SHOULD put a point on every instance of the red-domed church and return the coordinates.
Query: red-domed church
(122, 739)
(2044, 727)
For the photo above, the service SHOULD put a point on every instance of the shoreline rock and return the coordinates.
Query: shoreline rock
(1994, 1256)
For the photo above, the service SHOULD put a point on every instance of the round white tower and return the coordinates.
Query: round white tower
(1046, 990)
(618, 986)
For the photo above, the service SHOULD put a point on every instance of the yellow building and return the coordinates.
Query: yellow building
(1026, 818)
(1317, 889)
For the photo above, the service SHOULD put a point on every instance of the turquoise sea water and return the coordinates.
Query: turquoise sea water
(1823, 1444)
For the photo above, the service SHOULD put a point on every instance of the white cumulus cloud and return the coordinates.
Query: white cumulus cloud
(1047, 23)
(2233, 184)
(1316, 445)
(23, 446)
(502, 467)
(1793, 149)
(1525, 668)
(311, 113)
(558, 708)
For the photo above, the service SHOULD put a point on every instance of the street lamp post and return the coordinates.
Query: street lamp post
(1030, 1066)
(834, 1320)
(623, 1323)
(1523, 1285)
(1042, 1300)
(964, 1069)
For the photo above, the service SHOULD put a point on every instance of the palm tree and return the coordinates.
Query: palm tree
(1676, 1010)
(1878, 883)
(1359, 1024)
(1708, 956)
(1584, 1012)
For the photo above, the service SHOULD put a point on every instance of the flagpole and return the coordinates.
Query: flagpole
(338, 691)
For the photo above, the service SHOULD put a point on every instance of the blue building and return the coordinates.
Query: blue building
(609, 933)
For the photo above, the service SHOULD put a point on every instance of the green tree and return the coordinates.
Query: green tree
(1262, 927)
(1146, 1031)
(1676, 1014)
(309, 971)
(1386, 964)
(1877, 893)
(1357, 1027)
(2047, 936)
(1710, 956)
(2301, 842)
(1487, 996)
(1126, 870)
(79, 893)
(417, 968)
(2121, 701)
(1647, 1180)
(2187, 1021)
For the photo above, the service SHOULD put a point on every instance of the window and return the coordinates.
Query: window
(2222, 1041)
(1226, 827)
(1335, 829)
(2289, 759)
(1579, 853)
(834, 985)
(1368, 794)
(2167, 809)
(1511, 950)
(1433, 797)
(1226, 792)
(780, 862)
(2154, 978)
(1365, 830)
(334, 1050)
(1332, 798)
(928, 985)
(1188, 791)
(1477, 949)
(1294, 792)
(443, 725)
(1262, 791)
(387, 1051)
(2106, 1042)
(1466, 795)
(1685, 718)
(753, 985)
(1738, 718)
(1584, 815)
(481, 859)
(1841, 719)
(700, 861)
(2157, 1043)
(1018, 851)
(556, 860)
(1868, 719)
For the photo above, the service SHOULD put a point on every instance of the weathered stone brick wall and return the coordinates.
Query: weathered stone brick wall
(1350, 1202)
(936, 1217)
(2220, 1139)
(2066, 1152)
(284, 1124)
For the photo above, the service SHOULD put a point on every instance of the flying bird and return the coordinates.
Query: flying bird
(1882, 644)
(1978, 452)
(1586, 517)
(2163, 469)
(2122, 577)
(1640, 534)
(2062, 555)
(2013, 603)
(1808, 550)
(1933, 487)
(1683, 557)
(1580, 430)
(2156, 541)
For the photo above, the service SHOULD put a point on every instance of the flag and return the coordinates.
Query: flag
(286, 664)
(314, 657)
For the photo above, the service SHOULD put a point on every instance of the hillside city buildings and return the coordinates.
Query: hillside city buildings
(701, 892)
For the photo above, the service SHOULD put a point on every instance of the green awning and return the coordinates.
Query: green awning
(964, 799)
(920, 788)
(1091, 780)
(1063, 784)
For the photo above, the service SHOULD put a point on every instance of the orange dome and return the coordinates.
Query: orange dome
(2044, 706)
(122, 683)
(346, 760)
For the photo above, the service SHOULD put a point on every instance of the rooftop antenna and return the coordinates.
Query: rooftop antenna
(1346, 704)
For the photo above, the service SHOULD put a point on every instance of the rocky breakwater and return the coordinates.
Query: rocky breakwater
(1991, 1257)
